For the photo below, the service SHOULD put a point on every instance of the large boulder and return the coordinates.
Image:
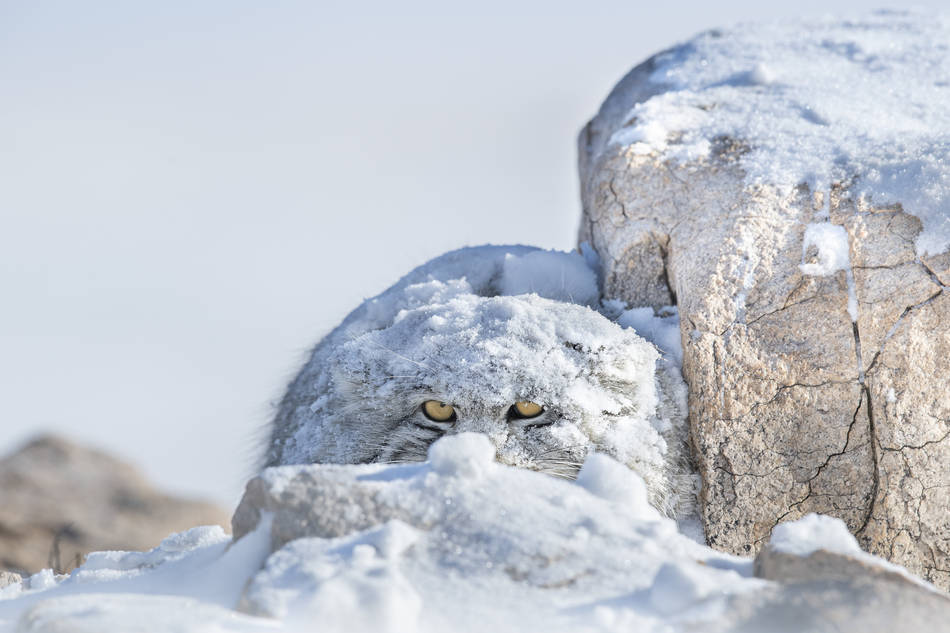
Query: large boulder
(59, 501)
(788, 188)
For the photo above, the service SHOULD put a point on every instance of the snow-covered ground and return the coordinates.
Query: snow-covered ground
(480, 546)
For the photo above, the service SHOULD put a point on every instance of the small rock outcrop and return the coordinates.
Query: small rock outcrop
(59, 501)
(9, 578)
(830, 584)
(799, 220)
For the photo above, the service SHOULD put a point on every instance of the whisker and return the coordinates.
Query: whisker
(576, 465)
(560, 449)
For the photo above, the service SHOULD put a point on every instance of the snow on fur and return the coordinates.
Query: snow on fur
(452, 331)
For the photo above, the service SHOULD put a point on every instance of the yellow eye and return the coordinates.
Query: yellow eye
(438, 411)
(528, 409)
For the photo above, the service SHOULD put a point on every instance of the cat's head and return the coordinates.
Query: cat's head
(547, 382)
(498, 340)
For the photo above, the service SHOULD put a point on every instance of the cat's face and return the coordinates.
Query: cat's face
(525, 434)
(546, 381)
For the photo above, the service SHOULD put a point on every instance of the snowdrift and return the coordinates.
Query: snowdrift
(462, 543)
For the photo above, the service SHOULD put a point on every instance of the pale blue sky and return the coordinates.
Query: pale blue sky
(193, 192)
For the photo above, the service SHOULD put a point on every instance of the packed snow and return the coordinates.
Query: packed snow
(480, 546)
(816, 101)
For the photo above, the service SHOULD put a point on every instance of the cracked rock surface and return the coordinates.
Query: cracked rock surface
(795, 407)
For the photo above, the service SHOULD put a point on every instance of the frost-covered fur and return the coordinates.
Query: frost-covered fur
(443, 333)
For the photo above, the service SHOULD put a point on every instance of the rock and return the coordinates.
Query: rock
(59, 501)
(823, 565)
(308, 504)
(843, 602)
(805, 247)
(824, 590)
(9, 578)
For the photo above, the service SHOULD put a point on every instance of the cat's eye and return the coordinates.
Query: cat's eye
(438, 411)
(525, 409)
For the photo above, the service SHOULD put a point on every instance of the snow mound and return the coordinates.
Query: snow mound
(815, 101)
(459, 543)
(345, 584)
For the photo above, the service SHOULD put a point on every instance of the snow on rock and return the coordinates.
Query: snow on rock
(816, 101)
(427, 547)
(785, 185)
(831, 241)
(660, 327)
(174, 547)
(811, 533)
(818, 545)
